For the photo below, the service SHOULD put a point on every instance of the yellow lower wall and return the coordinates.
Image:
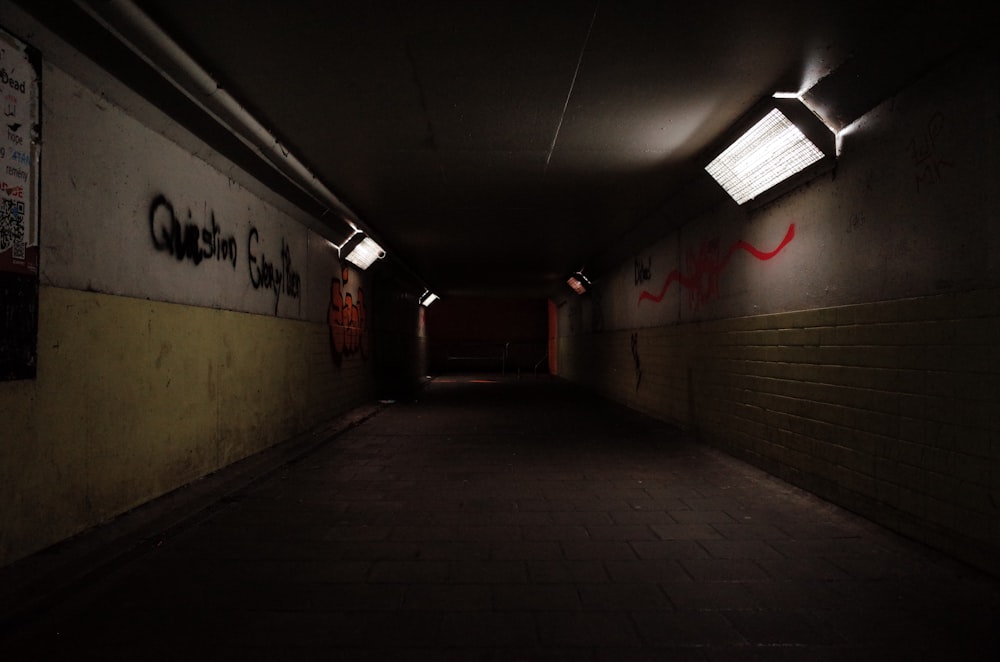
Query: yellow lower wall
(889, 409)
(135, 398)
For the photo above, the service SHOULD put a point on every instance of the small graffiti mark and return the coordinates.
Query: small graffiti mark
(855, 223)
(634, 342)
(347, 320)
(643, 270)
(704, 266)
(928, 163)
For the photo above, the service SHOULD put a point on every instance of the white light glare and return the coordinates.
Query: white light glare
(365, 253)
(773, 150)
(427, 298)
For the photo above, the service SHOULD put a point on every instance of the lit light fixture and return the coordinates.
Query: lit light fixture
(578, 282)
(427, 298)
(786, 141)
(363, 251)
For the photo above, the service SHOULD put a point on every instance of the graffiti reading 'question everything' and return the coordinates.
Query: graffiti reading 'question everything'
(197, 244)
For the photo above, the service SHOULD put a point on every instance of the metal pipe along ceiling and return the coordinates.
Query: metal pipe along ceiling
(144, 37)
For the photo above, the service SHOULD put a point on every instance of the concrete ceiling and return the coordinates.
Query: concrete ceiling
(494, 147)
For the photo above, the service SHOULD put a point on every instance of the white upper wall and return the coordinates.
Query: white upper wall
(127, 211)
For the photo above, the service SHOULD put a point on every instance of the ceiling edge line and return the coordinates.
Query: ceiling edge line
(572, 84)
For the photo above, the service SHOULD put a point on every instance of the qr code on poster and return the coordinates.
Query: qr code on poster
(17, 251)
(12, 226)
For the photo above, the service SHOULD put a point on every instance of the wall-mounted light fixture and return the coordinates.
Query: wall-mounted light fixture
(361, 251)
(578, 282)
(427, 298)
(781, 142)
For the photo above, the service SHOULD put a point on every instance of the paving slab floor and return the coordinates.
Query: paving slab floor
(501, 519)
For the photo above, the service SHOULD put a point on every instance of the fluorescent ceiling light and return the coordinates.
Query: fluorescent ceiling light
(427, 298)
(772, 150)
(365, 253)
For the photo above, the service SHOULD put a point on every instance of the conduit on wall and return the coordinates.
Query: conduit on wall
(141, 35)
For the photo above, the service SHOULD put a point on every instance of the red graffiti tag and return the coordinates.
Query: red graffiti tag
(706, 265)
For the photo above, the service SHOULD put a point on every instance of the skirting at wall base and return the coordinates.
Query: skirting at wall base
(44, 578)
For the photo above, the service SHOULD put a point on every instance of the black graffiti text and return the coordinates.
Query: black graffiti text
(925, 150)
(643, 270)
(634, 343)
(189, 241)
(280, 276)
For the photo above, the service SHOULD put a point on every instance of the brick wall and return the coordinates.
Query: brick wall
(890, 409)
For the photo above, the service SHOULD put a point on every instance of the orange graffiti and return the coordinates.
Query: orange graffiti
(347, 321)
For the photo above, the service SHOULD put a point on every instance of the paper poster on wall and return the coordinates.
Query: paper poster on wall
(20, 78)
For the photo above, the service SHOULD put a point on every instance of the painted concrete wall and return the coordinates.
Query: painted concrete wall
(185, 322)
(844, 336)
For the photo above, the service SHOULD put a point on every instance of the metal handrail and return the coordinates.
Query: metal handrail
(545, 356)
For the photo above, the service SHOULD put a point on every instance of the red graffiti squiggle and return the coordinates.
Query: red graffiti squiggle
(704, 267)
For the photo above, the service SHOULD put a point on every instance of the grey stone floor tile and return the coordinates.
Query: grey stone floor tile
(539, 523)
(740, 549)
(536, 597)
(627, 517)
(711, 596)
(566, 572)
(669, 549)
(686, 531)
(701, 517)
(587, 629)
(686, 628)
(488, 572)
(448, 597)
(624, 597)
(500, 629)
(584, 550)
(724, 570)
(621, 532)
(650, 571)
(409, 572)
(526, 550)
(770, 627)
